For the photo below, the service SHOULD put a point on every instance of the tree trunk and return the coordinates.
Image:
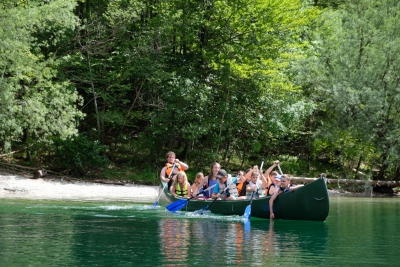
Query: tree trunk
(358, 167)
(383, 168)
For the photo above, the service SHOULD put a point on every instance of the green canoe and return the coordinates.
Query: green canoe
(309, 203)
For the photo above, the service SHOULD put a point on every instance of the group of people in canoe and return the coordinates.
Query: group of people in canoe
(218, 184)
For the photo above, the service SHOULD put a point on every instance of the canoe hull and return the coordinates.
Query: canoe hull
(310, 203)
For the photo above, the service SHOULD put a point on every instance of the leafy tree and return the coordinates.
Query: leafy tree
(34, 102)
(203, 78)
(78, 155)
(230, 68)
(354, 76)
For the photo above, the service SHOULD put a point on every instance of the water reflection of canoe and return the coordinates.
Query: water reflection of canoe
(310, 203)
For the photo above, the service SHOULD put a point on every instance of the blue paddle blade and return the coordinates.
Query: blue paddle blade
(177, 205)
(155, 204)
(247, 226)
(247, 212)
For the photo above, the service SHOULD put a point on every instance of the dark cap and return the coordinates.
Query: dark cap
(221, 174)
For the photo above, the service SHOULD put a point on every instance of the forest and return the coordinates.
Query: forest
(106, 88)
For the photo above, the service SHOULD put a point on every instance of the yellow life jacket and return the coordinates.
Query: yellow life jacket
(181, 192)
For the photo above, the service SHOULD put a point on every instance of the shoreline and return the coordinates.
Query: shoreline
(17, 186)
(20, 186)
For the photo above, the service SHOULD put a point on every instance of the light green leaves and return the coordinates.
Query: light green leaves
(355, 75)
(33, 100)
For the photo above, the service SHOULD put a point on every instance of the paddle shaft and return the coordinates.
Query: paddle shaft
(247, 211)
(258, 176)
(169, 176)
(206, 208)
(211, 187)
(280, 170)
(252, 197)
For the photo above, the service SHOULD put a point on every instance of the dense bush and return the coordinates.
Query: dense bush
(79, 155)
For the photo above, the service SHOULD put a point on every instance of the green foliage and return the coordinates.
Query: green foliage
(211, 80)
(79, 155)
(34, 102)
(354, 76)
(227, 102)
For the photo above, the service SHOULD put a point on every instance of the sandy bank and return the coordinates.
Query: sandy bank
(19, 187)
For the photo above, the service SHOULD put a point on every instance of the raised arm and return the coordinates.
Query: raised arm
(263, 180)
(248, 174)
(241, 178)
(183, 164)
(270, 169)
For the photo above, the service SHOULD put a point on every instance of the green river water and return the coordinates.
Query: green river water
(357, 232)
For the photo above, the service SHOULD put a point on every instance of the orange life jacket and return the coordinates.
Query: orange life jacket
(169, 168)
(241, 187)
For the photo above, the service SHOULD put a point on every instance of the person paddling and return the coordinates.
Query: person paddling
(211, 178)
(226, 186)
(257, 184)
(171, 168)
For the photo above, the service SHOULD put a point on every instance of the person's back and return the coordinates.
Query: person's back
(242, 185)
(274, 186)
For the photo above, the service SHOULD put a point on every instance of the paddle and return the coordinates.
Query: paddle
(208, 206)
(169, 176)
(280, 170)
(247, 211)
(177, 205)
